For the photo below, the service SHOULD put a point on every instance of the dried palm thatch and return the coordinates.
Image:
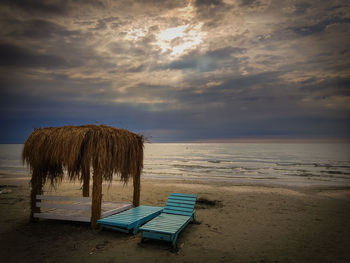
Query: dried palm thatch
(50, 151)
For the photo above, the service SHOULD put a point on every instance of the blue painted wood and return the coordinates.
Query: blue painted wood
(177, 213)
(166, 223)
(174, 212)
(130, 219)
(180, 204)
(184, 195)
(179, 208)
(182, 199)
(159, 236)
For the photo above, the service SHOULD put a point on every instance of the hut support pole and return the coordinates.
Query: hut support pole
(137, 186)
(86, 181)
(37, 189)
(96, 197)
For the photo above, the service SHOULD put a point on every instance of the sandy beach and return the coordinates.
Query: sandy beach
(245, 224)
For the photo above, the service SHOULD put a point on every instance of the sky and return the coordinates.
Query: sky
(177, 70)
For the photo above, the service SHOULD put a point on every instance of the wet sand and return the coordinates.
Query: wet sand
(244, 224)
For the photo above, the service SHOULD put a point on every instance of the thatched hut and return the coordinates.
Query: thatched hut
(77, 149)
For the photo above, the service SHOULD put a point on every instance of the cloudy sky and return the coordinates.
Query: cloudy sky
(177, 70)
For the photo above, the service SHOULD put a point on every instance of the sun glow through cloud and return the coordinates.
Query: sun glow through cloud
(179, 39)
(171, 33)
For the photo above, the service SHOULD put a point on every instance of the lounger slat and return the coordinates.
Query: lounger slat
(180, 204)
(179, 198)
(166, 219)
(166, 223)
(179, 208)
(165, 227)
(168, 211)
(183, 195)
(164, 230)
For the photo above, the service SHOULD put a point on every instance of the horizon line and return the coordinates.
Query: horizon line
(262, 140)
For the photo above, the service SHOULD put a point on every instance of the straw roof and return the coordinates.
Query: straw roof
(48, 151)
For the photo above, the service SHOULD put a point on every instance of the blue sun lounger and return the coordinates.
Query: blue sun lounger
(130, 220)
(177, 213)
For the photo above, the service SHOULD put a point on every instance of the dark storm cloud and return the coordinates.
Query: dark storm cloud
(210, 3)
(209, 61)
(126, 48)
(301, 8)
(326, 88)
(15, 56)
(240, 94)
(39, 29)
(319, 27)
(249, 2)
(50, 7)
(211, 11)
(39, 7)
(162, 3)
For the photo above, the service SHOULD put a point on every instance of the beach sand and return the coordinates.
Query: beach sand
(246, 224)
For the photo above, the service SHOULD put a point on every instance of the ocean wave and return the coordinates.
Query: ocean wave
(335, 172)
(331, 166)
(214, 161)
(293, 164)
(228, 162)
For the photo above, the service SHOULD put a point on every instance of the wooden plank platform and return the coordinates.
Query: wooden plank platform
(74, 208)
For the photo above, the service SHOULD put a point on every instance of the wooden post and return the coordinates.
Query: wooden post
(96, 197)
(86, 180)
(37, 189)
(137, 186)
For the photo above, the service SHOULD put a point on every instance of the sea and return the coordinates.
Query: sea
(283, 164)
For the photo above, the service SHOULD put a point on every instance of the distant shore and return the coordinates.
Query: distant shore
(243, 224)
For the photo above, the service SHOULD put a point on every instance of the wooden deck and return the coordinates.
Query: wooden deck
(74, 208)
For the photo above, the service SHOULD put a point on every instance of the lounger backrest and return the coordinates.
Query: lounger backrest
(180, 204)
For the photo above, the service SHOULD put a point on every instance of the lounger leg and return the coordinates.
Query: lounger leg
(193, 219)
(136, 229)
(174, 240)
